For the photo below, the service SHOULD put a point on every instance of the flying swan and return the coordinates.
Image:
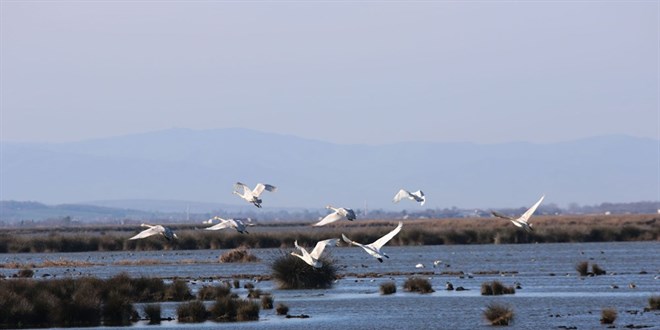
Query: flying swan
(312, 259)
(237, 224)
(417, 196)
(154, 230)
(338, 214)
(374, 248)
(522, 220)
(252, 196)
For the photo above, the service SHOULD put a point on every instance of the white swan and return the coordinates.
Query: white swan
(312, 259)
(237, 224)
(252, 196)
(338, 214)
(417, 196)
(154, 230)
(522, 221)
(374, 248)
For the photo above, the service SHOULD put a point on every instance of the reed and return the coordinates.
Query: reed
(608, 316)
(238, 255)
(387, 288)
(498, 314)
(152, 311)
(247, 311)
(290, 272)
(418, 284)
(597, 270)
(213, 292)
(582, 268)
(267, 301)
(192, 312)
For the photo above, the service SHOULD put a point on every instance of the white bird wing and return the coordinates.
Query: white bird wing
(528, 213)
(320, 246)
(349, 241)
(222, 225)
(261, 187)
(401, 195)
(500, 215)
(383, 240)
(246, 190)
(148, 232)
(420, 195)
(330, 218)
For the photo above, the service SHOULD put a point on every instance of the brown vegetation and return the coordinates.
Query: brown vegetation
(498, 314)
(496, 288)
(238, 255)
(418, 284)
(608, 316)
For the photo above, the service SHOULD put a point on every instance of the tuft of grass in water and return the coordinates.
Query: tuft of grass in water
(247, 311)
(178, 291)
(237, 284)
(213, 292)
(290, 272)
(282, 309)
(496, 288)
(418, 284)
(608, 316)
(254, 294)
(224, 309)
(654, 303)
(192, 312)
(267, 301)
(498, 314)
(387, 288)
(238, 255)
(597, 270)
(152, 312)
(582, 268)
(25, 273)
(117, 310)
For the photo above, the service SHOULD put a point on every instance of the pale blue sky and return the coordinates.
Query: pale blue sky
(348, 72)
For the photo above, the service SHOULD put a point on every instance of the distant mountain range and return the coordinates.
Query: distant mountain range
(165, 167)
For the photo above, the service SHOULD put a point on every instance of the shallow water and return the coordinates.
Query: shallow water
(552, 294)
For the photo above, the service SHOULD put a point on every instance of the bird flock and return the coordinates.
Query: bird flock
(338, 213)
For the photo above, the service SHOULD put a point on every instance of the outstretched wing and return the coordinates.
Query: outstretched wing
(241, 188)
(148, 232)
(320, 246)
(528, 213)
(383, 240)
(222, 225)
(500, 215)
(332, 217)
(400, 195)
(419, 197)
(350, 214)
(348, 240)
(261, 187)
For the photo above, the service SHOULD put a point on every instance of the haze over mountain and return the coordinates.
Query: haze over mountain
(202, 166)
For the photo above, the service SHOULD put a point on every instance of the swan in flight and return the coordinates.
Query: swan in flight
(237, 224)
(154, 230)
(338, 214)
(417, 196)
(374, 248)
(522, 220)
(252, 196)
(313, 258)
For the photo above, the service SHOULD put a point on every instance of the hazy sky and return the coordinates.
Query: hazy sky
(350, 72)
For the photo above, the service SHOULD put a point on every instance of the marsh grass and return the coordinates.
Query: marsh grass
(192, 312)
(213, 292)
(25, 273)
(498, 314)
(117, 311)
(387, 288)
(290, 272)
(496, 288)
(582, 268)
(238, 255)
(267, 301)
(597, 270)
(247, 311)
(418, 284)
(654, 303)
(282, 309)
(608, 316)
(152, 312)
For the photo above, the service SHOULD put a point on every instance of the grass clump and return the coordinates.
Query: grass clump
(192, 312)
(498, 314)
(238, 255)
(267, 301)
(496, 288)
(117, 311)
(582, 268)
(282, 309)
(418, 284)
(608, 316)
(178, 291)
(654, 303)
(25, 273)
(247, 311)
(152, 311)
(597, 270)
(290, 272)
(387, 288)
(213, 292)
(227, 309)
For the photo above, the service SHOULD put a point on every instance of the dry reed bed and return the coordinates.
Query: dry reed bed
(548, 229)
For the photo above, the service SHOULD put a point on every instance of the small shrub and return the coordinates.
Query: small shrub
(25, 273)
(237, 284)
(418, 284)
(608, 316)
(496, 288)
(654, 303)
(486, 289)
(178, 291)
(387, 288)
(582, 268)
(152, 312)
(224, 309)
(282, 309)
(213, 292)
(498, 314)
(267, 301)
(192, 312)
(247, 311)
(238, 255)
(254, 294)
(117, 310)
(290, 272)
(248, 286)
(597, 270)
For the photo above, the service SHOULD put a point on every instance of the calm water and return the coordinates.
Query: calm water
(552, 294)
